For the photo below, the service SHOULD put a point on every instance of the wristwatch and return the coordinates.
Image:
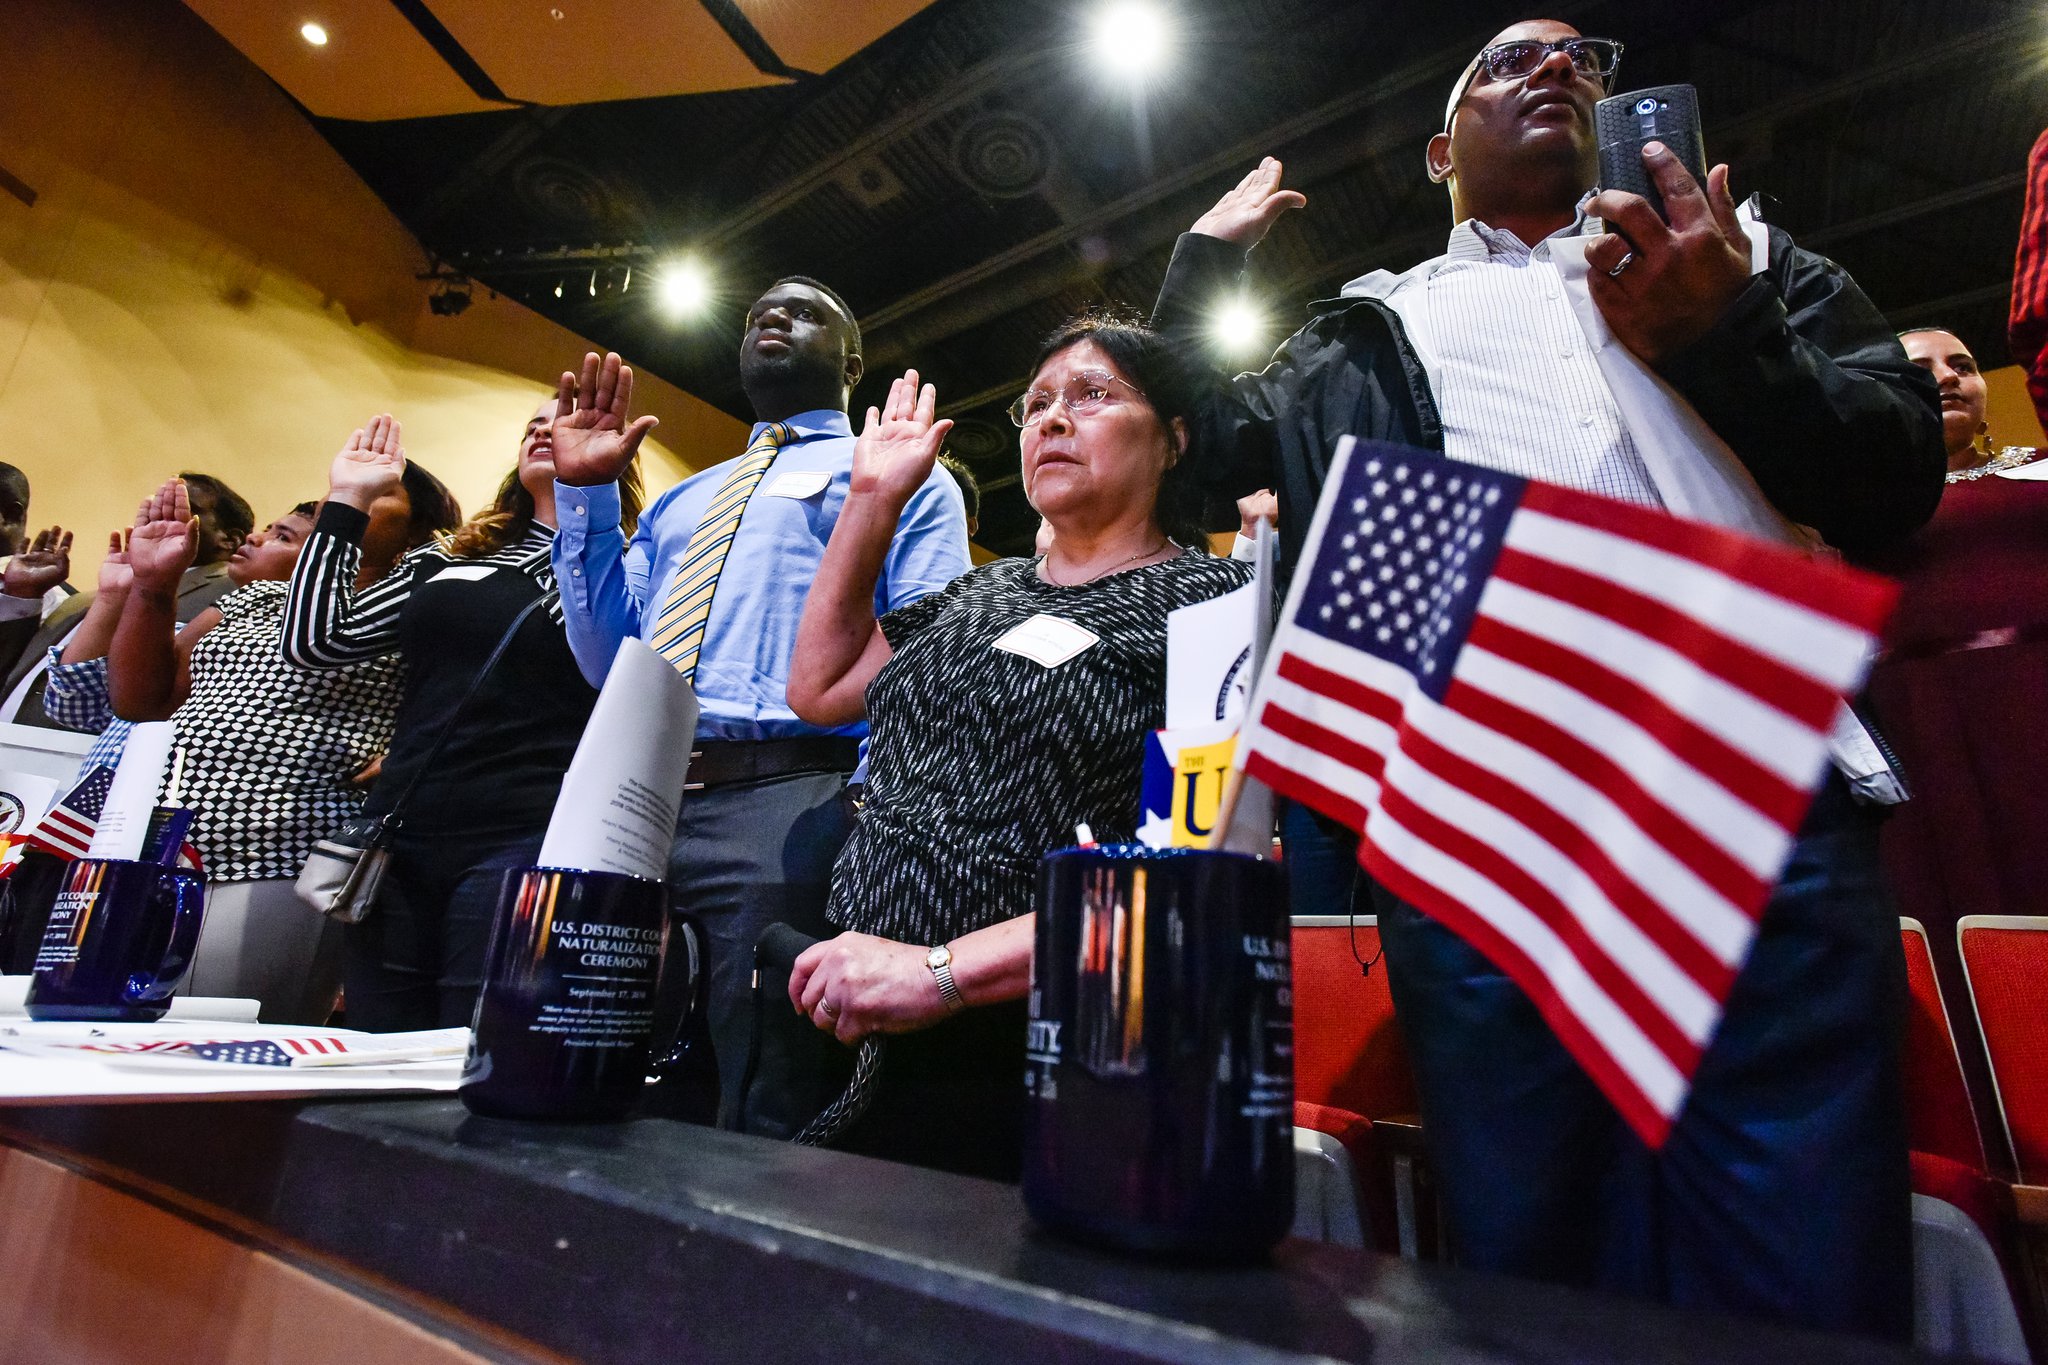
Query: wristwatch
(940, 960)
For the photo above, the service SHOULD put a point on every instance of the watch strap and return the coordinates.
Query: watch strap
(942, 972)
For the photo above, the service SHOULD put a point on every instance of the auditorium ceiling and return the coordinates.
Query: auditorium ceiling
(967, 176)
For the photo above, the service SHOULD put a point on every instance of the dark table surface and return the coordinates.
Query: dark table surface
(654, 1240)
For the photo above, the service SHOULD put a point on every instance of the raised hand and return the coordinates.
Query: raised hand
(368, 466)
(1246, 214)
(1254, 508)
(42, 566)
(894, 453)
(595, 436)
(1662, 287)
(165, 539)
(116, 577)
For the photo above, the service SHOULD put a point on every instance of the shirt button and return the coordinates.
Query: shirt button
(579, 510)
(578, 573)
(1587, 420)
(1566, 352)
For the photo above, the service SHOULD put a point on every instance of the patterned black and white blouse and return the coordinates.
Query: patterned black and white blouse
(982, 760)
(269, 749)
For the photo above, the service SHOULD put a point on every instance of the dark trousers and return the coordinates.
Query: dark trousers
(417, 960)
(1782, 1192)
(951, 1096)
(1323, 875)
(747, 856)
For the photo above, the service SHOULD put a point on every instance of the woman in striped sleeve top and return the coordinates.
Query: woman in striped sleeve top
(481, 802)
(1005, 708)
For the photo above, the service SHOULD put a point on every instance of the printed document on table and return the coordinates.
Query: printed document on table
(131, 800)
(617, 811)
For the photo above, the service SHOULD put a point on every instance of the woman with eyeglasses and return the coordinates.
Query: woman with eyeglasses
(1005, 709)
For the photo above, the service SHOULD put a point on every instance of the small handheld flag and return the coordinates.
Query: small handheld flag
(1580, 733)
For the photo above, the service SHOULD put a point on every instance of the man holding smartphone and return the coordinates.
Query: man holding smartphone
(1783, 1190)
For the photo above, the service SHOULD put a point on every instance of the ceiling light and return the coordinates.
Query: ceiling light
(1131, 39)
(684, 288)
(1238, 327)
(313, 34)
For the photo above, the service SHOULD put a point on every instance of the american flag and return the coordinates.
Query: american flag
(1579, 733)
(247, 1051)
(67, 830)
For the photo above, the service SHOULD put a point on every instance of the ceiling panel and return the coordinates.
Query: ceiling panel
(375, 64)
(793, 29)
(586, 51)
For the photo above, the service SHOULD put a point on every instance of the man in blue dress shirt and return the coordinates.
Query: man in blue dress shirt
(766, 811)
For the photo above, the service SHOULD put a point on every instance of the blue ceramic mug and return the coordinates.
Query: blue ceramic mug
(118, 941)
(564, 1026)
(1160, 1051)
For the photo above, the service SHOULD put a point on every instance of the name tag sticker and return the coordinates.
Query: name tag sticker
(1047, 640)
(798, 484)
(465, 572)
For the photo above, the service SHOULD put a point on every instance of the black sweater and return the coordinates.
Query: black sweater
(502, 766)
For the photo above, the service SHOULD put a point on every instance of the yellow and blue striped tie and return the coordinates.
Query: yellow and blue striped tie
(679, 630)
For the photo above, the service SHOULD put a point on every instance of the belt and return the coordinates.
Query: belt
(1962, 644)
(724, 763)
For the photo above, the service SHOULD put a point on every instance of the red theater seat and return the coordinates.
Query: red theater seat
(1348, 1056)
(1939, 1117)
(1347, 1048)
(2005, 960)
(1354, 1133)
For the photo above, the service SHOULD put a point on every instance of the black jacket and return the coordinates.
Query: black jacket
(1801, 377)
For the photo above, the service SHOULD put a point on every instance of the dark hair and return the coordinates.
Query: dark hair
(15, 479)
(511, 514)
(1152, 367)
(970, 487)
(230, 508)
(853, 323)
(304, 509)
(434, 509)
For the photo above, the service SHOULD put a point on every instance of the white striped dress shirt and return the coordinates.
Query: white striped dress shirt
(1515, 383)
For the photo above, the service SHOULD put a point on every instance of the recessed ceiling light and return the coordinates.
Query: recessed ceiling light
(313, 34)
(1132, 39)
(685, 288)
(1238, 326)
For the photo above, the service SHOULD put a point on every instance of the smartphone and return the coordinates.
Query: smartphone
(1669, 114)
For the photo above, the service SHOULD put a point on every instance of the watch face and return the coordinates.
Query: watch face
(937, 958)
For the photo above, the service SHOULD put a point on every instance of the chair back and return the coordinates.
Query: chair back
(2005, 960)
(1939, 1116)
(1347, 1048)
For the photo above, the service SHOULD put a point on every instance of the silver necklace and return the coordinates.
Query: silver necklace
(2008, 458)
(1047, 561)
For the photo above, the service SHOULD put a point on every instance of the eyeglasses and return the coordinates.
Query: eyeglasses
(1084, 392)
(1594, 57)
(1590, 57)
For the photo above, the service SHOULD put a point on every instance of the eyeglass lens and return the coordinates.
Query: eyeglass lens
(1592, 56)
(1082, 393)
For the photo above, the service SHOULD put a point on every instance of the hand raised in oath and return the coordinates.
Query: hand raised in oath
(595, 435)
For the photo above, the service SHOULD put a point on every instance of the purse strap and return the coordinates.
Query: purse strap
(389, 820)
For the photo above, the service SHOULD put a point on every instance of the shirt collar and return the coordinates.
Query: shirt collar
(1473, 242)
(817, 422)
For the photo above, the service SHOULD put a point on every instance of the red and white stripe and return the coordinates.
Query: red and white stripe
(1611, 785)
